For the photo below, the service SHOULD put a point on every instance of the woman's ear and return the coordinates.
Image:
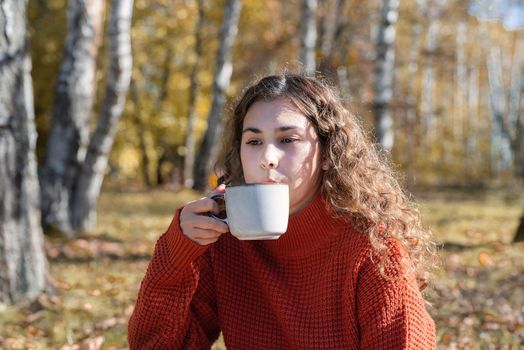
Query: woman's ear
(325, 164)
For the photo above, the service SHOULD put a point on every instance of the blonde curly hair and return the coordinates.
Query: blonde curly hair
(359, 185)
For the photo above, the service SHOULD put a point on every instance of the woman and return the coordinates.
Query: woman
(346, 273)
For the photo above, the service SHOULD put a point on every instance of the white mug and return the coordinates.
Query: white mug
(256, 211)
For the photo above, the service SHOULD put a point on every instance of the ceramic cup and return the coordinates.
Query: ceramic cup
(255, 211)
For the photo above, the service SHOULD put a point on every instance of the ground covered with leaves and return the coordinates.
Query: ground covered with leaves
(477, 294)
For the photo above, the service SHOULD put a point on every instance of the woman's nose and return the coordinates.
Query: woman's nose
(269, 158)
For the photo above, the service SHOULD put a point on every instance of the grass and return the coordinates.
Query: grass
(477, 296)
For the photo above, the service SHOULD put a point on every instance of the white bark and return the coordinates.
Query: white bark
(308, 35)
(117, 86)
(74, 97)
(23, 265)
(501, 152)
(224, 68)
(472, 121)
(384, 69)
(428, 80)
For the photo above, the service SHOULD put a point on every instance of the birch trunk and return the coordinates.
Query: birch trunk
(472, 124)
(308, 35)
(23, 265)
(189, 158)
(500, 138)
(384, 69)
(117, 85)
(428, 81)
(224, 68)
(74, 97)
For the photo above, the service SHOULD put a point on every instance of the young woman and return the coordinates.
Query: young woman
(345, 275)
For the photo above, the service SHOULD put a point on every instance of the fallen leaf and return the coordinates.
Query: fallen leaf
(111, 249)
(106, 324)
(70, 347)
(484, 259)
(95, 292)
(88, 306)
(446, 338)
(92, 343)
(33, 331)
(113, 292)
(453, 261)
(35, 316)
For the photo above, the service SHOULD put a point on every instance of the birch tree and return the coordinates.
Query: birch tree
(224, 68)
(428, 72)
(189, 158)
(384, 68)
(92, 173)
(23, 265)
(74, 97)
(308, 35)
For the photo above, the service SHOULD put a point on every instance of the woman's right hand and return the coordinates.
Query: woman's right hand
(197, 225)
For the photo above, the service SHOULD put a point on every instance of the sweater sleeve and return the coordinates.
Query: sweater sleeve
(175, 307)
(390, 310)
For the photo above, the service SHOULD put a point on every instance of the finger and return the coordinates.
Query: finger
(208, 223)
(203, 205)
(201, 234)
(220, 189)
(205, 241)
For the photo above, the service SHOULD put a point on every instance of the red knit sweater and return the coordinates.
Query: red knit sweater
(316, 287)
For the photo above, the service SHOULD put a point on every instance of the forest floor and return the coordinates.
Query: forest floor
(476, 298)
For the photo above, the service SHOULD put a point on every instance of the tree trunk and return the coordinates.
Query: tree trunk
(189, 157)
(209, 148)
(384, 69)
(140, 129)
(428, 80)
(471, 158)
(519, 235)
(117, 85)
(515, 102)
(332, 44)
(308, 35)
(502, 157)
(23, 265)
(74, 97)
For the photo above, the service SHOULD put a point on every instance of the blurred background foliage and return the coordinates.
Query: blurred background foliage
(447, 141)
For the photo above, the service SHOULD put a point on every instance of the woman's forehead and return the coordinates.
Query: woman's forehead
(278, 111)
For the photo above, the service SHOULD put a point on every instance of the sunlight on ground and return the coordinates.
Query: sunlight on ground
(477, 296)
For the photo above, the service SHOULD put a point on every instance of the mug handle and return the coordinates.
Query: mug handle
(222, 206)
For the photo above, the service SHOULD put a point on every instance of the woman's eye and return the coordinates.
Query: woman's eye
(253, 142)
(289, 140)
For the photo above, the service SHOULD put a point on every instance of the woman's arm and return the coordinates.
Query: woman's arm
(391, 311)
(175, 308)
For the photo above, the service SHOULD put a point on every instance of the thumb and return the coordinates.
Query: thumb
(220, 189)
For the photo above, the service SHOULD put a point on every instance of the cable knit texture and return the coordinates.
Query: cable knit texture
(316, 287)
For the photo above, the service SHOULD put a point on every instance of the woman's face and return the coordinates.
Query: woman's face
(279, 144)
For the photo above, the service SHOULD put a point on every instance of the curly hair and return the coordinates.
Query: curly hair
(359, 184)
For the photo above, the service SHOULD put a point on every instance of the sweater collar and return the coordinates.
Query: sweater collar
(308, 229)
